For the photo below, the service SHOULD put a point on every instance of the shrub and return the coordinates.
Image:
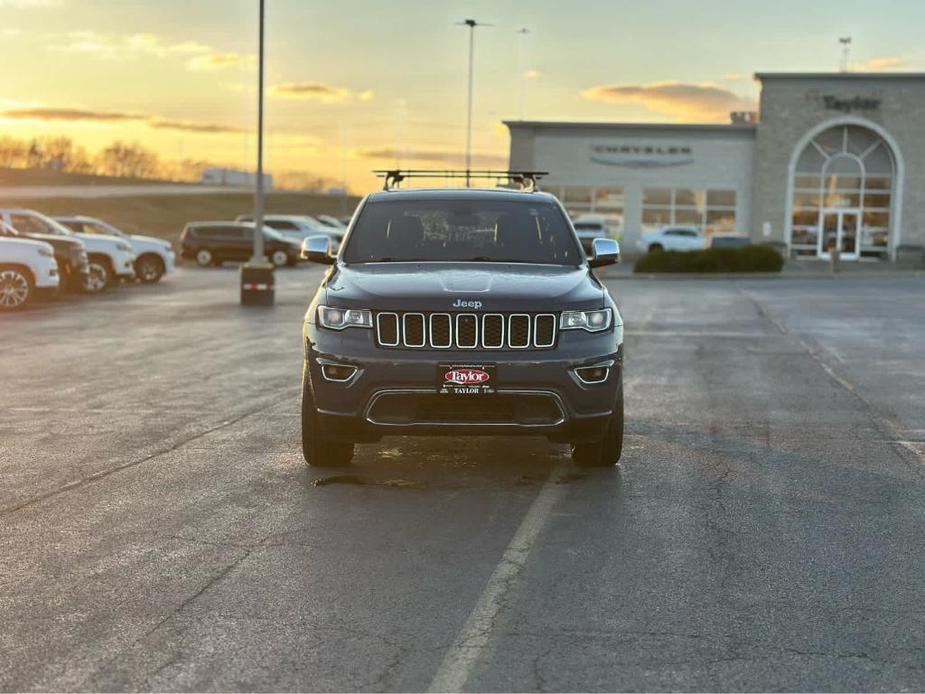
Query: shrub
(747, 259)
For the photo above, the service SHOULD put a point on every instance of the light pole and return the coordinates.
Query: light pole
(845, 42)
(472, 24)
(522, 70)
(257, 285)
(258, 256)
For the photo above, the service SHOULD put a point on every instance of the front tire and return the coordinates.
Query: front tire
(318, 449)
(99, 277)
(656, 248)
(607, 451)
(149, 269)
(15, 288)
(279, 258)
(204, 257)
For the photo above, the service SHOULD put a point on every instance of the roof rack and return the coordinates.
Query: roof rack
(527, 180)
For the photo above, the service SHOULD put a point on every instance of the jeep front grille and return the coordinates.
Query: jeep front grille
(484, 331)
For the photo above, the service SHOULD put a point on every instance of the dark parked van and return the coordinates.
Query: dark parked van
(212, 243)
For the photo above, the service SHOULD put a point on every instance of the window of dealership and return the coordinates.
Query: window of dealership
(842, 193)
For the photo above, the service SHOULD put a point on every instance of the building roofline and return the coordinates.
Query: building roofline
(708, 127)
(840, 75)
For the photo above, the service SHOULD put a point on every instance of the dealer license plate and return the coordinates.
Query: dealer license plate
(466, 379)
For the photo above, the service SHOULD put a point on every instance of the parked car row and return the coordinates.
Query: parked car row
(213, 243)
(43, 255)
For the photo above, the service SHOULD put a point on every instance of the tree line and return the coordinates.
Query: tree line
(123, 160)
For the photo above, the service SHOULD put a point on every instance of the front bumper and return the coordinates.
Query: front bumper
(538, 391)
(124, 265)
(170, 261)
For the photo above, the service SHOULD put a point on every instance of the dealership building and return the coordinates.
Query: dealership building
(830, 160)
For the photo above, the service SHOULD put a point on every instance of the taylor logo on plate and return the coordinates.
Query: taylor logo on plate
(466, 377)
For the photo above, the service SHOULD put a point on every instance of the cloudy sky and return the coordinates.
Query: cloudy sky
(354, 85)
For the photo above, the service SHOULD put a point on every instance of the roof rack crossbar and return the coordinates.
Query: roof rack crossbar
(527, 180)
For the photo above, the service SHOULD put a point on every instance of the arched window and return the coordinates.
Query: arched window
(842, 193)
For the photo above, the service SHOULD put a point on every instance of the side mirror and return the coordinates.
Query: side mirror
(604, 252)
(317, 249)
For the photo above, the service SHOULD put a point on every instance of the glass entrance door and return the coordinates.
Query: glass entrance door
(839, 229)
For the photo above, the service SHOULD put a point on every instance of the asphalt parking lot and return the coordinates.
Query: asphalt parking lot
(159, 529)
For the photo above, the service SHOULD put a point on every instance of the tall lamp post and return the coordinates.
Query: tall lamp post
(522, 70)
(472, 24)
(845, 42)
(257, 282)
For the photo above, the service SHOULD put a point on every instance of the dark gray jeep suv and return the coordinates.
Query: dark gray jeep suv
(465, 312)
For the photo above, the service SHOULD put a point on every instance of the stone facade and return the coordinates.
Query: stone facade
(796, 105)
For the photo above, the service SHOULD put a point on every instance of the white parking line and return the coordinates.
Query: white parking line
(471, 641)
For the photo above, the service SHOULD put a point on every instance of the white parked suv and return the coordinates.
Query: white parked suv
(27, 270)
(110, 257)
(672, 238)
(154, 257)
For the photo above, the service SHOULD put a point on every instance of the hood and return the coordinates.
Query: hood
(22, 242)
(150, 240)
(439, 286)
(106, 244)
(63, 243)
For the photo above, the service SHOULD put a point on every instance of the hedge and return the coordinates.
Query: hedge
(747, 259)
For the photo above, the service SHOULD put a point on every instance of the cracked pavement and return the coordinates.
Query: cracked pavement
(159, 530)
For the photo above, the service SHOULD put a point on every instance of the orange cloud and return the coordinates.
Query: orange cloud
(882, 64)
(312, 91)
(185, 126)
(68, 114)
(704, 103)
(76, 115)
(219, 61)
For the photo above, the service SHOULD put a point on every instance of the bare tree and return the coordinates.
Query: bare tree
(12, 152)
(128, 160)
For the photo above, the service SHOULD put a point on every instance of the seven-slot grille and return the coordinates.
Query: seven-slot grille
(476, 331)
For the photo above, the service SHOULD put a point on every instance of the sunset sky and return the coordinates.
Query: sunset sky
(354, 86)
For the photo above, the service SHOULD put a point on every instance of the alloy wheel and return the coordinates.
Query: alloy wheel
(14, 289)
(96, 279)
(148, 270)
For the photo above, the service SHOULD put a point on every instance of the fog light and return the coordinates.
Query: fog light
(338, 372)
(597, 373)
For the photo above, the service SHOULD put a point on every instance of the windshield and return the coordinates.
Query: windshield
(271, 233)
(106, 228)
(478, 230)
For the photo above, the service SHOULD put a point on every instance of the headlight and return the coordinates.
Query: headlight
(123, 247)
(592, 321)
(339, 318)
(47, 252)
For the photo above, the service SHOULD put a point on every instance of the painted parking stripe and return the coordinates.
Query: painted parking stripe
(472, 640)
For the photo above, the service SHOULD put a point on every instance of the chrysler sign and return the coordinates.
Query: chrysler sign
(642, 156)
